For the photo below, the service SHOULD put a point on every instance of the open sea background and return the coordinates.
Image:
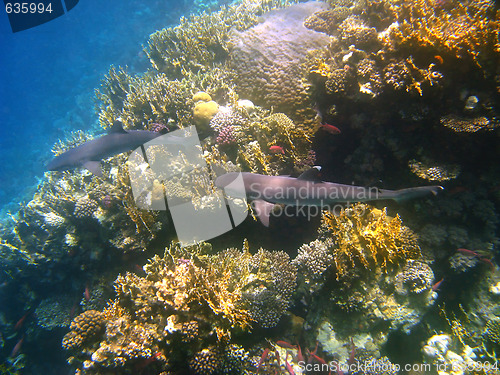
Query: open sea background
(49, 74)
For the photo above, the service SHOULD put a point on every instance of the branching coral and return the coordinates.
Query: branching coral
(367, 237)
(416, 276)
(469, 29)
(156, 98)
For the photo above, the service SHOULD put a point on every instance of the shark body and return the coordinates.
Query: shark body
(265, 191)
(90, 154)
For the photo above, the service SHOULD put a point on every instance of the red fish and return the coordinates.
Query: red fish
(488, 262)
(145, 362)
(87, 293)
(20, 322)
(288, 367)
(262, 358)
(285, 344)
(277, 149)
(437, 285)
(468, 252)
(353, 353)
(17, 348)
(73, 310)
(330, 128)
(300, 357)
(318, 359)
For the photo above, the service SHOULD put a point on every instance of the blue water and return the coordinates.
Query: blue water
(49, 74)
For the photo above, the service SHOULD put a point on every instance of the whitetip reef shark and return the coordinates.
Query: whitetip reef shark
(90, 153)
(308, 190)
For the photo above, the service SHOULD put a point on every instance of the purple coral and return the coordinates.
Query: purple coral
(157, 127)
(226, 136)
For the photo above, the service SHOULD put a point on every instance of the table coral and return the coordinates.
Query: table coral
(366, 237)
(468, 125)
(430, 172)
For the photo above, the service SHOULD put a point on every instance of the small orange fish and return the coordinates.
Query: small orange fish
(277, 149)
(437, 285)
(439, 59)
(87, 293)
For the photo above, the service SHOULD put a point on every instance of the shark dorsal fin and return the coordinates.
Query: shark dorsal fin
(117, 128)
(312, 174)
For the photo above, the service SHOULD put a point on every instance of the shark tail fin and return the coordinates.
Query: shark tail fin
(415, 192)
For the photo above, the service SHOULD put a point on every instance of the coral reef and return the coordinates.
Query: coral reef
(202, 41)
(366, 237)
(188, 299)
(413, 86)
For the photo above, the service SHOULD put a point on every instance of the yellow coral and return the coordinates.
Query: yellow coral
(203, 112)
(202, 96)
(367, 236)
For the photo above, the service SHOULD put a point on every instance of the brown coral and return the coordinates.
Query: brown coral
(85, 207)
(83, 328)
(354, 31)
(467, 125)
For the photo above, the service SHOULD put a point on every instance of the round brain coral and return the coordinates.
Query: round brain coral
(203, 112)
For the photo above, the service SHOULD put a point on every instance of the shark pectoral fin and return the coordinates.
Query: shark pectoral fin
(263, 210)
(94, 167)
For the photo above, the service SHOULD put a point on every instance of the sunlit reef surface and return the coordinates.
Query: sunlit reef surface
(413, 86)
